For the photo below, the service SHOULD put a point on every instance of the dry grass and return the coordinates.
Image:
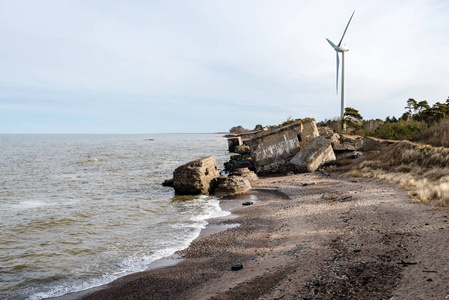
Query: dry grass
(437, 135)
(422, 170)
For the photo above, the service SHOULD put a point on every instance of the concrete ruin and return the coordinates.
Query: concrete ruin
(297, 147)
(194, 177)
(271, 150)
(225, 186)
(234, 142)
(308, 133)
(314, 155)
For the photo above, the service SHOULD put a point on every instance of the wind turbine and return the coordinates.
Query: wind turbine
(342, 49)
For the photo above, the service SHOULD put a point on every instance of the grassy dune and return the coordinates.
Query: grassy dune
(437, 135)
(423, 170)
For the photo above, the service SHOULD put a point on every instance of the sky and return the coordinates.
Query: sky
(147, 66)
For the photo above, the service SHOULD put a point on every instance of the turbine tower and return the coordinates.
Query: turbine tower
(342, 49)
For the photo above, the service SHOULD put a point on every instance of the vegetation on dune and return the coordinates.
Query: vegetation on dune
(399, 130)
(421, 169)
(437, 135)
(420, 123)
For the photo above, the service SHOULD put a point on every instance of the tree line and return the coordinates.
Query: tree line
(419, 122)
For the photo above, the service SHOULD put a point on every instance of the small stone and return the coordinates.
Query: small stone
(237, 267)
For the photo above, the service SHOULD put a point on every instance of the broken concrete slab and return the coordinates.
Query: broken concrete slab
(224, 186)
(242, 149)
(271, 151)
(194, 177)
(348, 143)
(309, 132)
(348, 154)
(245, 173)
(313, 156)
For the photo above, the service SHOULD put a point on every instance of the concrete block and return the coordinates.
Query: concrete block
(313, 156)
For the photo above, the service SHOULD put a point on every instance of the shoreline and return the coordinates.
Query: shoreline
(214, 225)
(309, 236)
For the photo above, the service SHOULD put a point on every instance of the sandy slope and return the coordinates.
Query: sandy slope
(310, 237)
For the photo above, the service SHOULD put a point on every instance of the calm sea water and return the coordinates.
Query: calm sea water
(78, 211)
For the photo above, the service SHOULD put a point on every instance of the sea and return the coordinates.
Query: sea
(79, 211)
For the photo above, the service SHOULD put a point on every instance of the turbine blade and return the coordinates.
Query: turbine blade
(339, 44)
(338, 69)
(332, 44)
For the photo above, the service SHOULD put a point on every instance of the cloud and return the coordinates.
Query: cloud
(184, 65)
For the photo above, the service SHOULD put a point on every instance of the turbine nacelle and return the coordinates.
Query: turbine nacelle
(340, 48)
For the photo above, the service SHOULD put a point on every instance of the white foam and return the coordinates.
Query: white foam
(138, 262)
(130, 265)
(31, 204)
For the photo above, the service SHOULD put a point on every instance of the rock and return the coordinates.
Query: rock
(229, 186)
(313, 156)
(168, 182)
(194, 177)
(324, 130)
(348, 143)
(242, 149)
(238, 161)
(329, 134)
(245, 173)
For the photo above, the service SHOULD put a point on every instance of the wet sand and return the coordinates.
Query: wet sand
(307, 236)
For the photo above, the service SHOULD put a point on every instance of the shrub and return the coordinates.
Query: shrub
(400, 130)
(437, 135)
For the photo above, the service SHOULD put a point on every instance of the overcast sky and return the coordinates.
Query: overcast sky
(144, 66)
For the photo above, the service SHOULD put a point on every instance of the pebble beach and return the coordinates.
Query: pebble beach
(306, 236)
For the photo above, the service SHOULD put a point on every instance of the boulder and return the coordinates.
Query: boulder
(229, 186)
(168, 182)
(313, 156)
(245, 173)
(194, 177)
